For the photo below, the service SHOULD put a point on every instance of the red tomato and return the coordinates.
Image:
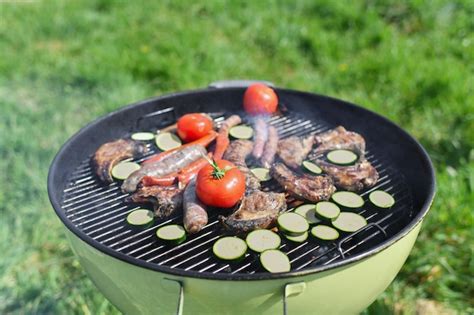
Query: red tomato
(260, 99)
(193, 126)
(221, 185)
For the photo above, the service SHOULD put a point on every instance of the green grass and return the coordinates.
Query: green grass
(64, 63)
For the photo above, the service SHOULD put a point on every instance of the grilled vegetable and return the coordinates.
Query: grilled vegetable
(297, 239)
(241, 132)
(143, 136)
(274, 260)
(141, 218)
(324, 232)
(229, 248)
(194, 212)
(381, 199)
(342, 157)
(292, 224)
(222, 141)
(194, 126)
(173, 234)
(349, 222)
(263, 174)
(167, 141)
(312, 168)
(260, 99)
(348, 199)
(308, 212)
(122, 170)
(261, 240)
(327, 210)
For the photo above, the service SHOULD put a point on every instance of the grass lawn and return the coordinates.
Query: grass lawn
(64, 63)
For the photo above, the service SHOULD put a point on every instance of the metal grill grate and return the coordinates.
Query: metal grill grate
(99, 211)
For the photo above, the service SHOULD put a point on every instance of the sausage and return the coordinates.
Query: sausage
(222, 141)
(194, 212)
(261, 133)
(270, 147)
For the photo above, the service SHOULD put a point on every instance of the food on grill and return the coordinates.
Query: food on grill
(273, 260)
(263, 174)
(143, 136)
(354, 177)
(381, 199)
(349, 222)
(171, 163)
(260, 99)
(292, 223)
(220, 184)
(339, 138)
(293, 150)
(324, 232)
(261, 135)
(141, 218)
(111, 153)
(167, 141)
(166, 201)
(241, 132)
(172, 234)
(123, 169)
(348, 199)
(194, 126)
(341, 157)
(271, 147)
(258, 210)
(194, 211)
(297, 239)
(262, 240)
(190, 172)
(229, 248)
(307, 211)
(236, 153)
(222, 141)
(327, 210)
(311, 188)
(312, 168)
(167, 180)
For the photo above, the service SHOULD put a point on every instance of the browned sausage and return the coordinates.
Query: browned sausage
(261, 133)
(194, 212)
(270, 147)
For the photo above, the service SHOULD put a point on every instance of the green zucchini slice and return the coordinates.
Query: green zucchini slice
(312, 168)
(141, 218)
(241, 132)
(342, 157)
(143, 136)
(348, 199)
(173, 233)
(297, 239)
(292, 224)
(307, 212)
(263, 174)
(327, 210)
(274, 260)
(261, 240)
(381, 199)
(229, 248)
(166, 141)
(324, 232)
(123, 169)
(349, 222)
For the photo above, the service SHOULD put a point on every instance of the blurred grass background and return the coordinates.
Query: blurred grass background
(64, 63)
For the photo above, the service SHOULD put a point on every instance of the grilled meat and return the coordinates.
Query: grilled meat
(261, 134)
(236, 153)
(312, 188)
(166, 201)
(354, 177)
(340, 138)
(111, 153)
(270, 147)
(258, 210)
(170, 164)
(222, 141)
(293, 150)
(194, 212)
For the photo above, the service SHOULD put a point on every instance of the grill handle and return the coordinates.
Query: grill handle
(175, 285)
(290, 290)
(236, 83)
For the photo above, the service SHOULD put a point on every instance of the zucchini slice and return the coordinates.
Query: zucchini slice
(307, 212)
(263, 174)
(324, 232)
(229, 248)
(348, 199)
(123, 169)
(143, 136)
(381, 199)
(297, 239)
(173, 233)
(312, 168)
(327, 210)
(261, 240)
(292, 224)
(342, 157)
(241, 132)
(140, 218)
(349, 222)
(274, 260)
(166, 141)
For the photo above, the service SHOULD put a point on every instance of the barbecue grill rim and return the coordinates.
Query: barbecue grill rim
(244, 277)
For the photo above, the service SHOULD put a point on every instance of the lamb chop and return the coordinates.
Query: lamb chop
(166, 201)
(339, 138)
(111, 153)
(293, 150)
(236, 153)
(311, 188)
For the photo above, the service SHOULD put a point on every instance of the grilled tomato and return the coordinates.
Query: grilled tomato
(193, 126)
(260, 99)
(220, 184)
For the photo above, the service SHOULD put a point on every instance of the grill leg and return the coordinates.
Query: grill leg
(291, 289)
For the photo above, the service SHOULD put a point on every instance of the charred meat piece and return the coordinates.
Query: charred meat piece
(172, 163)
(340, 138)
(354, 177)
(270, 148)
(312, 188)
(293, 150)
(166, 201)
(194, 211)
(261, 134)
(111, 153)
(258, 210)
(236, 153)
